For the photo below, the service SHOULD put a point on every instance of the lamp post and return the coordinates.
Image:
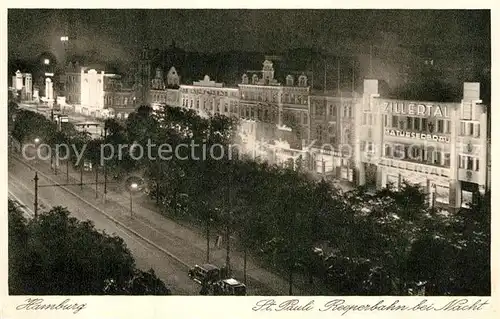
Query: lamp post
(133, 187)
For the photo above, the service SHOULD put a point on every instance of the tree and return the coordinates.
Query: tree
(55, 254)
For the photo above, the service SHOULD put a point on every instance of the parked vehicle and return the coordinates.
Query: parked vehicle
(206, 273)
(229, 287)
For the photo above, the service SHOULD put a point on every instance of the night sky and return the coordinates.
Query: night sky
(115, 34)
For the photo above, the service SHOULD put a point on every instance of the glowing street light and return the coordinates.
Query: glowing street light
(46, 61)
(37, 140)
(133, 187)
(64, 39)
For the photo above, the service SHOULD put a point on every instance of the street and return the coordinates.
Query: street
(146, 255)
(168, 238)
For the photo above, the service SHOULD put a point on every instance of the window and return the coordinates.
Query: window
(446, 159)
(477, 130)
(448, 127)
(462, 161)
(416, 123)
(364, 118)
(470, 162)
(370, 118)
(388, 150)
(304, 118)
(349, 111)
(477, 164)
(424, 125)
(385, 120)
(415, 153)
(197, 104)
(319, 133)
(191, 103)
(401, 123)
(394, 121)
(437, 158)
(470, 129)
(332, 110)
(409, 123)
(462, 128)
(440, 126)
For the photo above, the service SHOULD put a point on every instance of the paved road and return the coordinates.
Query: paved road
(173, 273)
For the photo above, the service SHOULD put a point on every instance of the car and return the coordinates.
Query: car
(229, 287)
(206, 273)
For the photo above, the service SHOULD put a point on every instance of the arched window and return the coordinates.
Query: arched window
(244, 79)
(289, 80)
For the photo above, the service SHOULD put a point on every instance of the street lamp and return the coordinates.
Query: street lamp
(133, 187)
(46, 61)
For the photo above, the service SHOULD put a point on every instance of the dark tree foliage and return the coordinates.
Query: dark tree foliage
(56, 254)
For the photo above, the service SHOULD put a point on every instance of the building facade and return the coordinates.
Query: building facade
(363, 139)
(92, 92)
(440, 146)
(23, 82)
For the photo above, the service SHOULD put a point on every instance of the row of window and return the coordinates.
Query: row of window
(326, 134)
(468, 162)
(420, 124)
(273, 97)
(470, 129)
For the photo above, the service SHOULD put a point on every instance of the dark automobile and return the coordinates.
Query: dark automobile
(207, 273)
(229, 287)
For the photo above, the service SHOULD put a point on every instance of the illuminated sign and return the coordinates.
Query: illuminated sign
(49, 74)
(425, 169)
(418, 136)
(406, 108)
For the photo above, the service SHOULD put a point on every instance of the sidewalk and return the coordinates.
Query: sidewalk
(188, 245)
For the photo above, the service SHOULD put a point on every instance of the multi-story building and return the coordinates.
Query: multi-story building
(72, 83)
(360, 138)
(23, 82)
(440, 146)
(92, 92)
(209, 97)
(281, 110)
(331, 134)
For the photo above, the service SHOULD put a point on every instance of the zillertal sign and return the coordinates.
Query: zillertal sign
(418, 109)
(418, 136)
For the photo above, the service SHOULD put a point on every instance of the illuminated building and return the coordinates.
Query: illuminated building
(443, 147)
(331, 121)
(280, 111)
(92, 92)
(23, 82)
(209, 97)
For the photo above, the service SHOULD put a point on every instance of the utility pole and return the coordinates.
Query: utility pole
(371, 70)
(96, 180)
(338, 75)
(208, 237)
(36, 194)
(324, 80)
(104, 164)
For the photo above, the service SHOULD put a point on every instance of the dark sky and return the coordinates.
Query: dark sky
(118, 33)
